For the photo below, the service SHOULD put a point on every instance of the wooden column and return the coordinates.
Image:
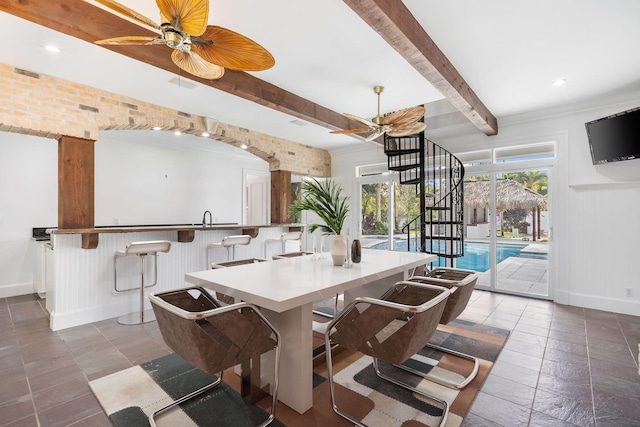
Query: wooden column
(280, 196)
(75, 183)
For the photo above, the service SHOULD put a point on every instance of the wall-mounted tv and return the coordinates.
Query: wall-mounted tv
(615, 138)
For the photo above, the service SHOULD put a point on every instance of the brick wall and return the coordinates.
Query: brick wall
(41, 105)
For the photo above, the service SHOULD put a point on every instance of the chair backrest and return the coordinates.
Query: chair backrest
(291, 255)
(211, 337)
(242, 239)
(233, 263)
(394, 327)
(461, 283)
(150, 247)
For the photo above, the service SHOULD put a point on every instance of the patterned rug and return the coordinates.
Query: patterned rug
(129, 396)
(392, 406)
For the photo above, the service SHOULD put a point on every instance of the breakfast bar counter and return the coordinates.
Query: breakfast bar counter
(80, 264)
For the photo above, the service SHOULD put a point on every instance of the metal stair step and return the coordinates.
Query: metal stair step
(404, 167)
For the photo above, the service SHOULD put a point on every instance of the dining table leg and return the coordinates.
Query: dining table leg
(295, 388)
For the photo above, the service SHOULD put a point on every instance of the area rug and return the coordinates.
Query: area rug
(128, 397)
(392, 406)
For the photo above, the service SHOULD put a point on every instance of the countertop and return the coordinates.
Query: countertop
(164, 227)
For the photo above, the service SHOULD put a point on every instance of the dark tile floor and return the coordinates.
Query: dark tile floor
(561, 366)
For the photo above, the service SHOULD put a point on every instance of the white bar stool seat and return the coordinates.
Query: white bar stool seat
(140, 250)
(230, 243)
(289, 236)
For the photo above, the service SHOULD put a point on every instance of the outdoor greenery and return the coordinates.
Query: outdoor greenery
(324, 199)
(535, 180)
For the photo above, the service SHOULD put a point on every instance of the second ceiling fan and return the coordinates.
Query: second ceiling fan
(399, 123)
(199, 49)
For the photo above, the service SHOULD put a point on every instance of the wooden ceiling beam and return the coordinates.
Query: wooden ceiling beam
(88, 22)
(397, 26)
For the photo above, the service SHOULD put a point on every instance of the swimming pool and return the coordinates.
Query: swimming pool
(476, 254)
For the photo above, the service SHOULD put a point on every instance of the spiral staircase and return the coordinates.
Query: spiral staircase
(438, 177)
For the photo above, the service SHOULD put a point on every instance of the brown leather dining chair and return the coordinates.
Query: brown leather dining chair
(392, 328)
(213, 337)
(461, 283)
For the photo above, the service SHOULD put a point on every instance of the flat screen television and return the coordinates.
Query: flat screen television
(615, 138)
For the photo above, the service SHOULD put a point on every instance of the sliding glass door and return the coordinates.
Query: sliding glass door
(507, 228)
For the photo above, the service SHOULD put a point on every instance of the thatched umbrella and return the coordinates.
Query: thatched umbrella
(510, 194)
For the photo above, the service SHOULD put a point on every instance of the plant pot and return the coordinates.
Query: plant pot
(338, 249)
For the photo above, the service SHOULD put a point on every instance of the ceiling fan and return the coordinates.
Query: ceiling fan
(399, 123)
(199, 49)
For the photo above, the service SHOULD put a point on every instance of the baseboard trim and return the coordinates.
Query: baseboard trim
(16, 289)
(615, 305)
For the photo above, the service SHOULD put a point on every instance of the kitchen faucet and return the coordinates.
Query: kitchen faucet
(204, 219)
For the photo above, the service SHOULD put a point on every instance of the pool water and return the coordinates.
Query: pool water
(476, 254)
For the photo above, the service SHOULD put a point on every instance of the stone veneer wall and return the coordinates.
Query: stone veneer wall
(41, 105)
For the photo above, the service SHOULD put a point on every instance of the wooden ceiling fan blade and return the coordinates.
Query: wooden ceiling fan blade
(360, 120)
(193, 14)
(406, 116)
(124, 10)
(348, 131)
(131, 41)
(194, 64)
(231, 50)
(406, 130)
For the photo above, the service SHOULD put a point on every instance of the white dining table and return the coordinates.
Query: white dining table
(286, 289)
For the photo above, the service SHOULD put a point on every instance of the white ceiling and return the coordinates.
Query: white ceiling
(509, 52)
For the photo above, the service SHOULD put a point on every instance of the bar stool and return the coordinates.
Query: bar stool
(230, 243)
(141, 250)
(284, 238)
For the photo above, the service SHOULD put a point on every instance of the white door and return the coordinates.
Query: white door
(257, 196)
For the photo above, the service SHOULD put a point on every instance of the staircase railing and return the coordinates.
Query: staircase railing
(438, 176)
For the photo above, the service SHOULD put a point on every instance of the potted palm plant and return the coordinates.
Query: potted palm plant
(324, 199)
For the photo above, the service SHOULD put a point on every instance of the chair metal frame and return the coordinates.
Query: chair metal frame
(459, 278)
(141, 250)
(405, 312)
(199, 316)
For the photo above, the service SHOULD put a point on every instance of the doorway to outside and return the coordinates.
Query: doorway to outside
(512, 249)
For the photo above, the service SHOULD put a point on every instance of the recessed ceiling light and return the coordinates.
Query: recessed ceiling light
(157, 128)
(205, 134)
(559, 82)
(52, 48)
(298, 122)
(177, 133)
(244, 146)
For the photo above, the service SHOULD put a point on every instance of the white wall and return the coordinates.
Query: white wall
(596, 231)
(167, 179)
(28, 198)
